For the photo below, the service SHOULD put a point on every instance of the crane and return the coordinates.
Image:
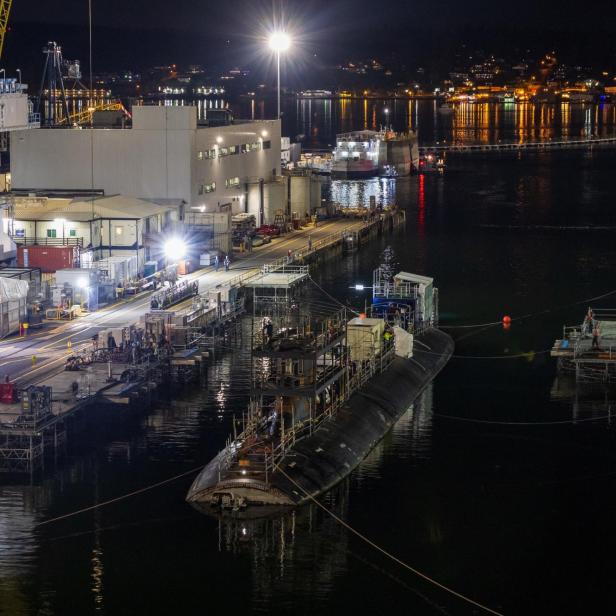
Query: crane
(5, 11)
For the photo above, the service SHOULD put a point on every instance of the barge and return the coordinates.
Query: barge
(324, 394)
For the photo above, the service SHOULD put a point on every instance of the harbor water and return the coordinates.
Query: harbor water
(495, 483)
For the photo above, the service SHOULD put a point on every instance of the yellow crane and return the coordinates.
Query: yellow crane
(5, 11)
(83, 117)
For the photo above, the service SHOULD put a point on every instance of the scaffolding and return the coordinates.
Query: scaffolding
(27, 429)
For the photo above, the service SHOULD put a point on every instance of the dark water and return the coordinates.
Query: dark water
(518, 517)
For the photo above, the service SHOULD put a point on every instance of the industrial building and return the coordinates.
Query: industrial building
(165, 154)
(99, 227)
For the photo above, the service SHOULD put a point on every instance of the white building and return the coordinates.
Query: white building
(104, 226)
(164, 155)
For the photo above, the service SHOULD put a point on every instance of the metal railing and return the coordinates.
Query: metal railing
(47, 241)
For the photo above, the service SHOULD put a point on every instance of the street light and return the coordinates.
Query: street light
(279, 42)
(175, 249)
(19, 71)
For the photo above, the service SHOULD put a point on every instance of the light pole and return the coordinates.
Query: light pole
(279, 42)
(19, 71)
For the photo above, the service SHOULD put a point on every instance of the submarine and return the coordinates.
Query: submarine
(324, 393)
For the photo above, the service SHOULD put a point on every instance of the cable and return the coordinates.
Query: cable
(470, 326)
(533, 314)
(521, 423)
(526, 355)
(316, 284)
(118, 498)
(388, 554)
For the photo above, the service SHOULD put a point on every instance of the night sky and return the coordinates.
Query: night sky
(139, 33)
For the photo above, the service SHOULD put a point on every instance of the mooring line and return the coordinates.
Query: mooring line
(118, 498)
(521, 423)
(389, 555)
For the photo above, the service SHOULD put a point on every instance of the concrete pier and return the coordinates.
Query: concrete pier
(39, 359)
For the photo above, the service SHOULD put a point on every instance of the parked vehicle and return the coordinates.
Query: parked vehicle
(271, 230)
(259, 240)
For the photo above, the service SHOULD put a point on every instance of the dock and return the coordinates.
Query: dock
(214, 301)
(588, 351)
(514, 146)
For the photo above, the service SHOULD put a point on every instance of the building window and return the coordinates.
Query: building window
(234, 149)
(223, 151)
(20, 233)
(245, 147)
(255, 146)
(51, 233)
(207, 188)
(206, 154)
(72, 232)
(232, 182)
(267, 145)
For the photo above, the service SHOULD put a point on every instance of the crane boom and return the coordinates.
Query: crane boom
(5, 11)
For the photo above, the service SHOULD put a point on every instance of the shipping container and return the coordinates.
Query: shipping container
(48, 259)
(365, 338)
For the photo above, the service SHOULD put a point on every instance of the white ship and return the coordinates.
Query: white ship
(368, 153)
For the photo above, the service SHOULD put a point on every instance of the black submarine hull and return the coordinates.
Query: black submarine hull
(318, 462)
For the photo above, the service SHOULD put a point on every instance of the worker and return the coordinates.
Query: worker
(595, 337)
(309, 243)
(216, 262)
(227, 263)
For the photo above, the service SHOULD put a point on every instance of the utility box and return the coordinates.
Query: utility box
(365, 338)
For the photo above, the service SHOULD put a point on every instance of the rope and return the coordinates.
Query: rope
(118, 498)
(388, 554)
(515, 356)
(532, 314)
(316, 284)
(470, 326)
(521, 423)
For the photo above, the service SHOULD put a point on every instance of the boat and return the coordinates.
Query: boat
(324, 394)
(431, 163)
(446, 109)
(367, 153)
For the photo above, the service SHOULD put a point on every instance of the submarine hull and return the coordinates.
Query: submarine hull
(318, 462)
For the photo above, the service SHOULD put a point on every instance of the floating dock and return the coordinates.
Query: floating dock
(588, 351)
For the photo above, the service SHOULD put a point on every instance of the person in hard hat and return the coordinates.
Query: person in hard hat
(216, 262)
(227, 263)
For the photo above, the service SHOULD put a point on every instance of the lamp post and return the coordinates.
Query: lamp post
(19, 71)
(279, 42)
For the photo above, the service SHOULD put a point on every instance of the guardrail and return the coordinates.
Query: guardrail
(47, 241)
(529, 145)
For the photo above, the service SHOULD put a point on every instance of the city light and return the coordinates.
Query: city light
(175, 249)
(279, 41)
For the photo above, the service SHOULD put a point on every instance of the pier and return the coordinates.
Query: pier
(588, 351)
(531, 146)
(195, 320)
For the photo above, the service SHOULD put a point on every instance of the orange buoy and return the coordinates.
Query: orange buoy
(507, 320)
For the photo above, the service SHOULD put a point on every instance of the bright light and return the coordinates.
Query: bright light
(279, 41)
(263, 133)
(359, 287)
(219, 139)
(175, 248)
(59, 221)
(82, 283)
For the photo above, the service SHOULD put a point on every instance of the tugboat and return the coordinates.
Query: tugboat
(325, 392)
